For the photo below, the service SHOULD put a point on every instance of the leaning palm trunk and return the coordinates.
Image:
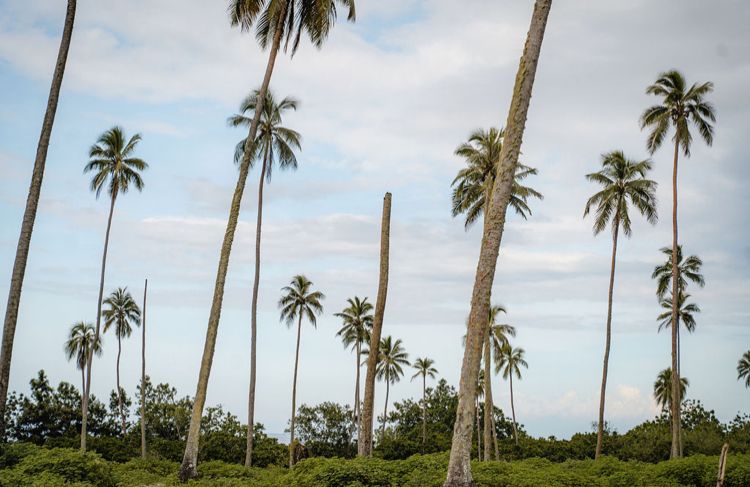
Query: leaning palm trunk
(90, 357)
(29, 214)
(364, 441)
(488, 406)
(143, 373)
(119, 391)
(459, 468)
(676, 450)
(513, 410)
(600, 426)
(188, 469)
(254, 322)
(294, 395)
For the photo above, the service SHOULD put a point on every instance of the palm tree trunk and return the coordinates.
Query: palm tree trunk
(254, 319)
(143, 373)
(488, 406)
(119, 391)
(385, 409)
(459, 468)
(424, 412)
(513, 409)
(364, 441)
(602, 394)
(294, 394)
(356, 389)
(90, 358)
(676, 450)
(83, 388)
(479, 435)
(494, 436)
(188, 468)
(29, 215)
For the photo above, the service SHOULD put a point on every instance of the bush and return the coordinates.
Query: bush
(61, 466)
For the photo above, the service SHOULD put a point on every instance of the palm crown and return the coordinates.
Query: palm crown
(663, 388)
(474, 183)
(685, 312)
(424, 368)
(499, 332)
(81, 340)
(113, 165)
(391, 359)
(121, 313)
(623, 181)
(300, 301)
(357, 318)
(689, 268)
(509, 361)
(274, 143)
(743, 368)
(679, 106)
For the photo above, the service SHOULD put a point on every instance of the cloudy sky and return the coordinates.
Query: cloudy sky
(383, 106)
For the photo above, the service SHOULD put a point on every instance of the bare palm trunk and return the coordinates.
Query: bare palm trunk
(356, 390)
(424, 412)
(90, 357)
(513, 410)
(600, 426)
(459, 468)
(29, 215)
(188, 468)
(364, 442)
(676, 450)
(254, 319)
(385, 408)
(119, 391)
(294, 395)
(143, 373)
(488, 406)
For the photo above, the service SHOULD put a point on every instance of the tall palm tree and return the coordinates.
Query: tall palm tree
(424, 368)
(29, 214)
(663, 389)
(497, 337)
(679, 107)
(298, 301)
(459, 464)
(743, 368)
(479, 395)
(274, 144)
(121, 314)
(685, 316)
(273, 21)
(114, 168)
(624, 184)
(392, 359)
(472, 185)
(81, 342)
(143, 372)
(354, 333)
(509, 362)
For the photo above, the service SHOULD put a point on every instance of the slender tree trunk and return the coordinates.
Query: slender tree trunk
(83, 388)
(676, 447)
(479, 433)
(494, 436)
(424, 412)
(356, 390)
(488, 406)
(90, 358)
(602, 394)
(143, 373)
(119, 391)
(294, 395)
(29, 215)
(385, 408)
(364, 442)
(254, 320)
(459, 468)
(513, 409)
(188, 468)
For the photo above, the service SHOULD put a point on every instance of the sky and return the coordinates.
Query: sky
(382, 108)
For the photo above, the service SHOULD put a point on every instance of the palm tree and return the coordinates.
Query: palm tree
(29, 214)
(509, 362)
(274, 144)
(688, 269)
(121, 314)
(459, 465)
(679, 106)
(299, 301)
(425, 369)
(82, 341)
(743, 368)
(355, 332)
(114, 167)
(663, 389)
(497, 337)
(685, 316)
(392, 359)
(472, 185)
(273, 21)
(624, 184)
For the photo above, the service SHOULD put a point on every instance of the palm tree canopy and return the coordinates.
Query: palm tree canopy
(357, 319)
(685, 312)
(273, 140)
(679, 106)
(81, 339)
(391, 360)
(112, 163)
(624, 182)
(300, 301)
(663, 388)
(499, 332)
(509, 361)
(687, 269)
(473, 183)
(424, 368)
(743, 368)
(121, 312)
(314, 17)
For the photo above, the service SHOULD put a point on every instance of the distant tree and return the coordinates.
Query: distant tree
(663, 389)
(327, 430)
(425, 368)
(81, 342)
(509, 362)
(392, 359)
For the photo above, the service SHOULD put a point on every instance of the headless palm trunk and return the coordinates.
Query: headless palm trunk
(29, 214)
(188, 469)
(364, 442)
(459, 468)
(676, 450)
(143, 373)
